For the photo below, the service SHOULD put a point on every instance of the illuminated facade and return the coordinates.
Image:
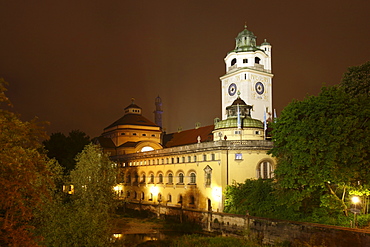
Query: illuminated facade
(190, 168)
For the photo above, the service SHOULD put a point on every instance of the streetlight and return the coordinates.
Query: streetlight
(355, 200)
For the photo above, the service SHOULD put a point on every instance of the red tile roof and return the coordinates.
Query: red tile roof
(188, 137)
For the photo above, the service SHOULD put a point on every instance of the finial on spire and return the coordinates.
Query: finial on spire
(245, 25)
(132, 100)
(238, 93)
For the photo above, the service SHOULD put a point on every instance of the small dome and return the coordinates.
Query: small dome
(265, 43)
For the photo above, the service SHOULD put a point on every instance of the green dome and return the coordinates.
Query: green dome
(245, 41)
(233, 123)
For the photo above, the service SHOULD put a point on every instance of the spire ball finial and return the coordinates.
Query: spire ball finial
(245, 25)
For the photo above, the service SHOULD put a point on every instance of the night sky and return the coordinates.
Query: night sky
(77, 64)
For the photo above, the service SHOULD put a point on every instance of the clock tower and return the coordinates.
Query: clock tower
(248, 71)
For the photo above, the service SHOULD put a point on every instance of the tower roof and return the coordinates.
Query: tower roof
(245, 41)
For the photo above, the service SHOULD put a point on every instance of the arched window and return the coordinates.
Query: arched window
(129, 178)
(169, 198)
(193, 178)
(160, 178)
(142, 196)
(181, 178)
(257, 60)
(170, 178)
(143, 178)
(233, 61)
(147, 148)
(265, 170)
(159, 197)
(151, 178)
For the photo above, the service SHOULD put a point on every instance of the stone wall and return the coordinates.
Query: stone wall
(263, 230)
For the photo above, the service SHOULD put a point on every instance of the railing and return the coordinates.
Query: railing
(198, 147)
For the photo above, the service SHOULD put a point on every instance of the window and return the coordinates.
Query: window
(181, 178)
(128, 178)
(178, 160)
(151, 178)
(213, 157)
(172, 160)
(128, 194)
(193, 177)
(143, 178)
(183, 159)
(134, 134)
(258, 132)
(238, 156)
(195, 158)
(233, 61)
(142, 197)
(153, 135)
(237, 132)
(169, 198)
(159, 197)
(257, 60)
(245, 60)
(189, 159)
(135, 195)
(265, 170)
(151, 197)
(143, 134)
(170, 178)
(122, 134)
(160, 178)
(204, 157)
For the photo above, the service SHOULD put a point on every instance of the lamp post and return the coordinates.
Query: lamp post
(355, 200)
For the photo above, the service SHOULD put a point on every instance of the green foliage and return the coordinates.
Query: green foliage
(254, 197)
(356, 80)
(65, 148)
(196, 240)
(83, 219)
(25, 177)
(322, 146)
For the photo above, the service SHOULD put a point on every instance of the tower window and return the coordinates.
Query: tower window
(257, 60)
(233, 61)
(245, 60)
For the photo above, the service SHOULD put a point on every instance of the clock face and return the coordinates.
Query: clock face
(232, 89)
(260, 89)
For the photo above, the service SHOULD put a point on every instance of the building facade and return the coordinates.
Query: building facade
(192, 168)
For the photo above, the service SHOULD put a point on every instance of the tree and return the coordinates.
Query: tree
(25, 176)
(254, 197)
(322, 147)
(65, 148)
(356, 80)
(84, 219)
